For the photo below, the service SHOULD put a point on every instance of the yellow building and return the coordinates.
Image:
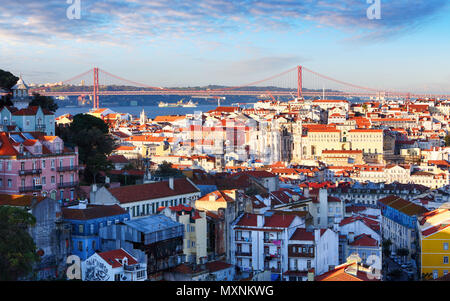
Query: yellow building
(195, 231)
(434, 237)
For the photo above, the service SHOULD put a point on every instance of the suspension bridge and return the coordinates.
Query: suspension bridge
(296, 82)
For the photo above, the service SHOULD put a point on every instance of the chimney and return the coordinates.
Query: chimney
(82, 204)
(212, 197)
(171, 183)
(351, 237)
(306, 192)
(259, 220)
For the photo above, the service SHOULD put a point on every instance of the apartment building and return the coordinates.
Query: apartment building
(32, 163)
(260, 241)
(145, 199)
(434, 238)
(399, 223)
(195, 231)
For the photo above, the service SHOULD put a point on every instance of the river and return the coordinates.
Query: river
(150, 111)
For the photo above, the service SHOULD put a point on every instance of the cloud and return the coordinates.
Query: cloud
(116, 21)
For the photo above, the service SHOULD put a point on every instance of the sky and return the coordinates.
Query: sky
(182, 43)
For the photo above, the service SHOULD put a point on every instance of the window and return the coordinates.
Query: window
(92, 228)
(445, 245)
(80, 246)
(43, 163)
(435, 274)
(43, 181)
(9, 183)
(445, 259)
(9, 166)
(53, 179)
(80, 228)
(93, 245)
(141, 274)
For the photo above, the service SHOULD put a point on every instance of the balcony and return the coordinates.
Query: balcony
(269, 256)
(240, 253)
(244, 239)
(67, 184)
(132, 268)
(30, 188)
(24, 172)
(273, 241)
(66, 168)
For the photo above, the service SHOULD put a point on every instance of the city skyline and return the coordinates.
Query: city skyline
(229, 42)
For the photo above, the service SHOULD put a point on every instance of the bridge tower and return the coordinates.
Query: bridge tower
(299, 82)
(96, 90)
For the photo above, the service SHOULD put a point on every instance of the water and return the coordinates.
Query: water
(150, 111)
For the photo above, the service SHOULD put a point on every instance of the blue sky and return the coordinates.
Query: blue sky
(174, 42)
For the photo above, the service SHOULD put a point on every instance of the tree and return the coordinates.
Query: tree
(165, 170)
(17, 248)
(402, 252)
(386, 245)
(94, 143)
(7, 80)
(45, 102)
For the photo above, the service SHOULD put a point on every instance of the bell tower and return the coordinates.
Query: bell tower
(20, 94)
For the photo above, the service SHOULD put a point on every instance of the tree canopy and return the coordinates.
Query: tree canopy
(165, 169)
(17, 248)
(45, 102)
(94, 143)
(7, 80)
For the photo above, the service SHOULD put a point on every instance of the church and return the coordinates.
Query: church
(21, 117)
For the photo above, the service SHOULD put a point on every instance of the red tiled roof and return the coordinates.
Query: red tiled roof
(341, 273)
(248, 219)
(215, 266)
(92, 212)
(19, 200)
(374, 225)
(113, 257)
(135, 193)
(279, 220)
(364, 240)
(118, 159)
(404, 206)
(302, 234)
(6, 148)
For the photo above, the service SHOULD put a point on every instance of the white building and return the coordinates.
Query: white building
(311, 251)
(115, 265)
(260, 241)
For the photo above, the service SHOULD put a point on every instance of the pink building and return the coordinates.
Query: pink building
(32, 163)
